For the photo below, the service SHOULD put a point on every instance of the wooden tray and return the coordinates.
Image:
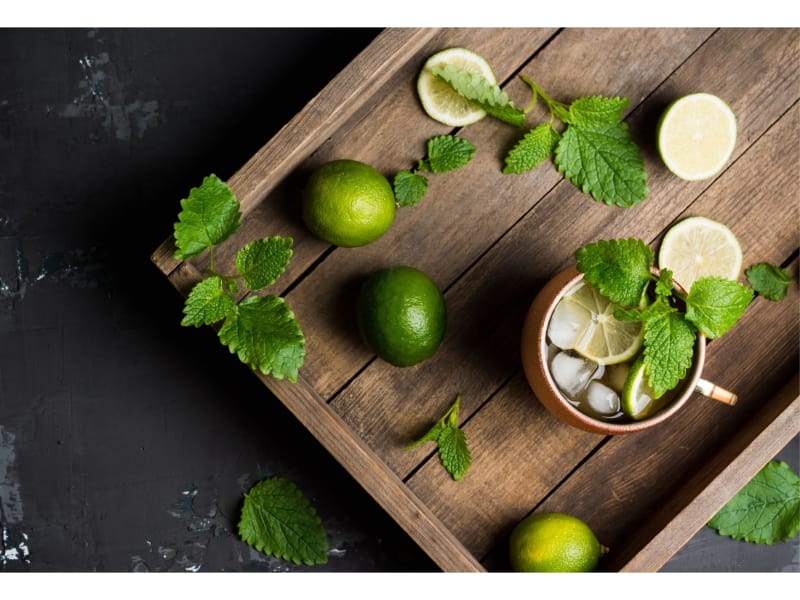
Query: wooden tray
(491, 241)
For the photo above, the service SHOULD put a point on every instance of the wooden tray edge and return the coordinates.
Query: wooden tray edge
(708, 490)
(344, 95)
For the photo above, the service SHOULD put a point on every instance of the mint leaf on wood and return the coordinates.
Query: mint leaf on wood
(207, 303)
(262, 261)
(592, 111)
(448, 153)
(714, 304)
(535, 147)
(209, 216)
(603, 160)
(278, 520)
(409, 188)
(263, 332)
(766, 510)
(619, 269)
(451, 442)
(769, 280)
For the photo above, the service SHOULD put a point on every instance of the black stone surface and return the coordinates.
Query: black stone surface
(126, 441)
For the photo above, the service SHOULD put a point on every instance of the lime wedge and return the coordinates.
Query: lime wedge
(700, 247)
(441, 102)
(638, 399)
(696, 136)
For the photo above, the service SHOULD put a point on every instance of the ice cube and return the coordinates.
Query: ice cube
(567, 324)
(602, 400)
(571, 373)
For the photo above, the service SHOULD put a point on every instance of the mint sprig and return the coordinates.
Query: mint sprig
(766, 510)
(768, 280)
(278, 520)
(261, 330)
(622, 270)
(445, 153)
(451, 442)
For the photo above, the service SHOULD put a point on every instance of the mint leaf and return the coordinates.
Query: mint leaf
(210, 215)
(279, 521)
(207, 303)
(768, 280)
(448, 153)
(619, 269)
(409, 188)
(714, 304)
(766, 510)
(668, 348)
(265, 335)
(482, 92)
(262, 261)
(451, 441)
(535, 147)
(602, 160)
(664, 284)
(595, 110)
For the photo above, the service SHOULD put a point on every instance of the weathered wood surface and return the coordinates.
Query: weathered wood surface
(491, 241)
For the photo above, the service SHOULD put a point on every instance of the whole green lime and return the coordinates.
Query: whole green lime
(348, 203)
(402, 315)
(553, 542)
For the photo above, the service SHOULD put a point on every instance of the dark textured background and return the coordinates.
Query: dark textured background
(126, 441)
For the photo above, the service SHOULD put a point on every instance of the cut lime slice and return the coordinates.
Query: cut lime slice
(638, 399)
(700, 247)
(584, 321)
(696, 136)
(441, 102)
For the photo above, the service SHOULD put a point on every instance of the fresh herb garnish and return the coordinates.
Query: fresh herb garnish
(621, 270)
(445, 153)
(766, 510)
(451, 441)
(261, 330)
(769, 280)
(279, 521)
(594, 151)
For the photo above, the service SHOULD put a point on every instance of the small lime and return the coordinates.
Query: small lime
(401, 315)
(348, 203)
(553, 542)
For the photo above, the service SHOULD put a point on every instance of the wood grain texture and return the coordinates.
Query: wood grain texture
(490, 241)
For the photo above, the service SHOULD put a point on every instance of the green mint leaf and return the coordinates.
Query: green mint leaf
(766, 510)
(262, 261)
(448, 153)
(279, 521)
(603, 161)
(768, 280)
(482, 92)
(263, 332)
(668, 348)
(207, 303)
(595, 110)
(409, 188)
(619, 269)
(664, 283)
(535, 147)
(451, 442)
(209, 216)
(714, 304)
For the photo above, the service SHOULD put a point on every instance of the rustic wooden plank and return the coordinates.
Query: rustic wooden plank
(487, 305)
(715, 483)
(643, 472)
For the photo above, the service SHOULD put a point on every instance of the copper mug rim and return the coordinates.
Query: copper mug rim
(537, 373)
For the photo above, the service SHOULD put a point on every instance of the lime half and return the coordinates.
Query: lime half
(441, 102)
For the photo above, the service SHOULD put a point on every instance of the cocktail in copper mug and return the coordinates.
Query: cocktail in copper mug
(537, 352)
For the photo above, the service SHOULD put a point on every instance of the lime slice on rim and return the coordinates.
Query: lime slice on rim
(696, 136)
(584, 321)
(441, 102)
(638, 399)
(700, 247)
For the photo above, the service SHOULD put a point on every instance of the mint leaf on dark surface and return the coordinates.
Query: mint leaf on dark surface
(210, 215)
